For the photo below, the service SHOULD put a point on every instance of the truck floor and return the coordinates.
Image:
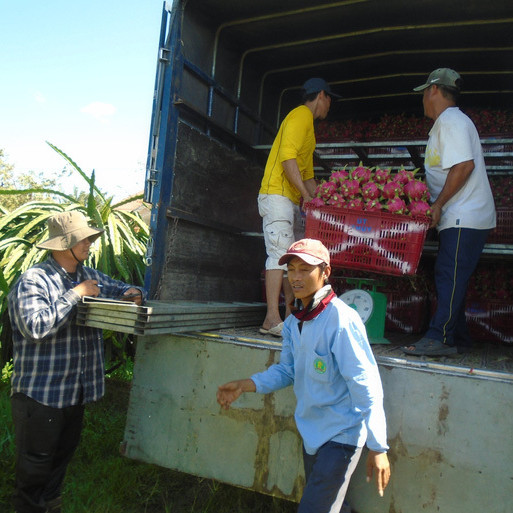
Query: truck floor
(484, 356)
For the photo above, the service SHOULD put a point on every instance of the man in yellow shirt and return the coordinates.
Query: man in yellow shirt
(288, 177)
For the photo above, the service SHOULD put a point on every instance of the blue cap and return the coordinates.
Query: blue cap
(316, 85)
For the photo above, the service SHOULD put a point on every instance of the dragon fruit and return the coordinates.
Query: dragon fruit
(370, 191)
(336, 201)
(381, 176)
(396, 206)
(339, 176)
(325, 190)
(355, 203)
(416, 190)
(350, 188)
(362, 174)
(403, 176)
(315, 202)
(392, 189)
(419, 208)
(373, 205)
(362, 189)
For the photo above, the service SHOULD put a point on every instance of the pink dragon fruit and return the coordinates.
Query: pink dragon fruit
(403, 176)
(370, 191)
(355, 203)
(419, 208)
(392, 189)
(325, 190)
(416, 190)
(339, 176)
(350, 188)
(373, 205)
(381, 176)
(315, 203)
(396, 206)
(336, 201)
(362, 174)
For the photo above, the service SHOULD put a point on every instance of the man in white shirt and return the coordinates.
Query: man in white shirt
(463, 211)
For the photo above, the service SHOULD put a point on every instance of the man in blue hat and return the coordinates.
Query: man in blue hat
(288, 178)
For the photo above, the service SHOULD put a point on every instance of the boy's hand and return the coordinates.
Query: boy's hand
(378, 461)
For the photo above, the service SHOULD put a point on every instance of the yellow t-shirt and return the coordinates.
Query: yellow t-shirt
(295, 140)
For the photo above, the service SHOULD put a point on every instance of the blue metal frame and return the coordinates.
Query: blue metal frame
(163, 134)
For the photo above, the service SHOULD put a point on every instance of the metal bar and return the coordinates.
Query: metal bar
(319, 63)
(162, 149)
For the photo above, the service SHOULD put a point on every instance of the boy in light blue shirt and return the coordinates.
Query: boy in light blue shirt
(327, 358)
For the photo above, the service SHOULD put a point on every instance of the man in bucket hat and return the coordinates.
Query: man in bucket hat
(288, 178)
(327, 358)
(58, 365)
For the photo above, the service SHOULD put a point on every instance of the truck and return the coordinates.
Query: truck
(227, 73)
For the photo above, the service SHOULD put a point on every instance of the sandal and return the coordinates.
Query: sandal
(275, 331)
(429, 347)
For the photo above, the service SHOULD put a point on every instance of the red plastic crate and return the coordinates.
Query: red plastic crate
(373, 241)
(406, 313)
(490, 320)
(503, 233)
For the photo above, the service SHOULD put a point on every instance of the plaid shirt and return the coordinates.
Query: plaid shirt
(54, 358)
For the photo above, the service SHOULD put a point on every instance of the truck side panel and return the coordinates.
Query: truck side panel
(450, 435)
(213, 251)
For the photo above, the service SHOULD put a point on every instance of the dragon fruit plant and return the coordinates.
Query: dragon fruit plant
(374, 190)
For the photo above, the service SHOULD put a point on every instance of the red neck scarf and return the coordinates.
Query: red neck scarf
(315, 307)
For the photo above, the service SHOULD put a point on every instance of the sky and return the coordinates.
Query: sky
(81, 76)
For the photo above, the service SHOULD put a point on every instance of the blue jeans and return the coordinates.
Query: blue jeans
(327, 477)
(458, 254)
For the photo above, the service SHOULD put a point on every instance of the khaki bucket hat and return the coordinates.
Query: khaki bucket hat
(66, 229)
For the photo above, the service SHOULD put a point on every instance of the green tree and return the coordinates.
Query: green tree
(13, 181)
(119, 252)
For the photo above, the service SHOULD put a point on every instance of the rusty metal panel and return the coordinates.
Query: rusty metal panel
(449, 432)
(174, 419)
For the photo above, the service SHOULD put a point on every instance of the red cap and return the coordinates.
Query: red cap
(312, 251)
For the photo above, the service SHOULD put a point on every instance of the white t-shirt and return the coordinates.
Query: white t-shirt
(452, 140)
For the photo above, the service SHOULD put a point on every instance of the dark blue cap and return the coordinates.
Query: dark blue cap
(316, 85)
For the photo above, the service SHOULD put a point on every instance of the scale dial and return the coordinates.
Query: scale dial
(361, 301)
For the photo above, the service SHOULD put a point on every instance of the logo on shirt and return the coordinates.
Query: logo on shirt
(319, 366)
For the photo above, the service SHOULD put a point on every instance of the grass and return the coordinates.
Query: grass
(99, 480)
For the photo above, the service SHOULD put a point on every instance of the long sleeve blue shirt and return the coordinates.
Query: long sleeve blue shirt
(54, 359)
(335, 377)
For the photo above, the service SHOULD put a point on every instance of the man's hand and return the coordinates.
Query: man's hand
(132, 294)
(378, 462)
(436, 213)
(231, 391)
(88, 288)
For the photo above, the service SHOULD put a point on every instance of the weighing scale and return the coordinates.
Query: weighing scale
(371, 305)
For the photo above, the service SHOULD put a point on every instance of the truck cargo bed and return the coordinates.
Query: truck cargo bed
(485, 358)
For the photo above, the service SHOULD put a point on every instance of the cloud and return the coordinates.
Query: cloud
(99, 110)
(39, 97)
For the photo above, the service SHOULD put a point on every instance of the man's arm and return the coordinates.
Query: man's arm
(231, 391)
(456, 178)
(311, 185)
(294, 177)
